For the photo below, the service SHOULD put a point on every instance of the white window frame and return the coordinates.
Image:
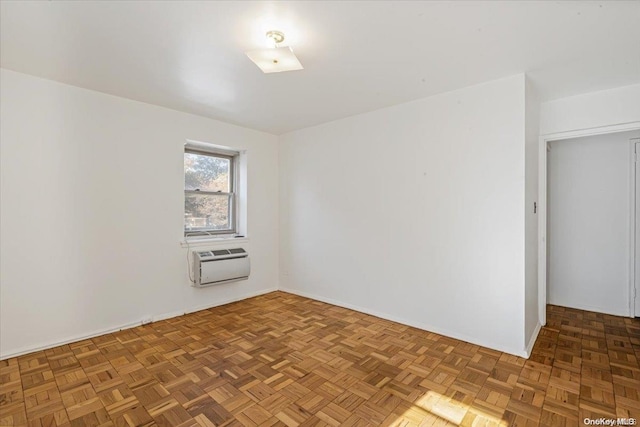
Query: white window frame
(233, 157)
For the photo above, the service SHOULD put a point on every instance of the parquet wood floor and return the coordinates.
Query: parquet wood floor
(283, 360)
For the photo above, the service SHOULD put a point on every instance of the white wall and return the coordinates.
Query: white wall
(595, 109)
(414, 213)
(589, 228)
(532, 133)
(92, 212)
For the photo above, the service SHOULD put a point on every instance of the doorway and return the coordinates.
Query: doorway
(587, 233)
(588, 228)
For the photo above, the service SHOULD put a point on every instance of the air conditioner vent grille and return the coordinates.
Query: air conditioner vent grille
(220, 266)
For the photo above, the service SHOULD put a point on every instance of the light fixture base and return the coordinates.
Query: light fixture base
(276, 36)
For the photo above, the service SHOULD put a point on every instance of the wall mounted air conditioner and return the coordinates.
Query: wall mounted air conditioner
(220, 266)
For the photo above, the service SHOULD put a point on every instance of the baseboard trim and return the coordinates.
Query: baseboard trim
(523, 353)
(532, 340)
(424, 327)
(27, 350)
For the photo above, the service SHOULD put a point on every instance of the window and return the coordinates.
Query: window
(209, 193)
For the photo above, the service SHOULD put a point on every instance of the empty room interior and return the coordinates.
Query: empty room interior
(319, 213)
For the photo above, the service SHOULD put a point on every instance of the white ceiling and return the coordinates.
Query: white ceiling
(358, 56)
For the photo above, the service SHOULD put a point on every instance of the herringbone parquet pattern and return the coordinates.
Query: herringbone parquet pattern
(280, 359)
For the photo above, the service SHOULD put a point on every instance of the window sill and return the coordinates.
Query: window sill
(212, 241)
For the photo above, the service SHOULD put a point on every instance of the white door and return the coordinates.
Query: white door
(637, 228)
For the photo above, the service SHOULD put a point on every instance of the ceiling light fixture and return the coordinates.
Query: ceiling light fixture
(275, 59)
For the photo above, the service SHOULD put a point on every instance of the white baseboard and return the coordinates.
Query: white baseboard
(51, 344)
(522, 352)
(533, 338)
(76, 338)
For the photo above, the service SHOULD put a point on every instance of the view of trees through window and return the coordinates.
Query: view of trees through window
(208, 198)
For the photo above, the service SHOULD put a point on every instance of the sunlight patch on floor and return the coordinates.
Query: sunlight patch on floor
(434, 409)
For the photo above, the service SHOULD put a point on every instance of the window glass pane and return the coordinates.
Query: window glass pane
(207, 212)
(206, 173)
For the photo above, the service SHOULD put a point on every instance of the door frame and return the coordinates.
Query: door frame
(633, 291)
(542, 209)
